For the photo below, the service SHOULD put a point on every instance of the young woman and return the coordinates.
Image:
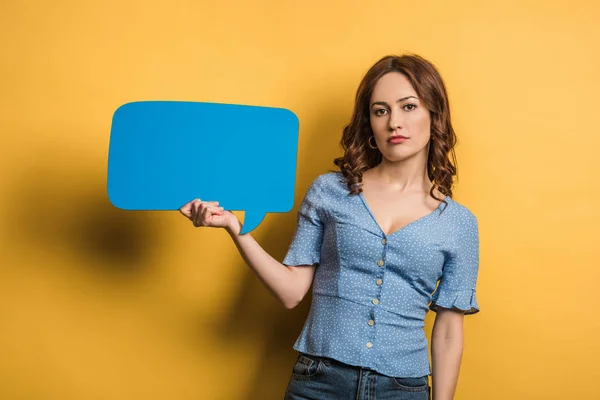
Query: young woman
(374, 239)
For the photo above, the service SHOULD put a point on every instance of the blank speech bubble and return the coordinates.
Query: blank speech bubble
(163, 154)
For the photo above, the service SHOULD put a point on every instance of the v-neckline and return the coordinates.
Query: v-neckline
(366, 204)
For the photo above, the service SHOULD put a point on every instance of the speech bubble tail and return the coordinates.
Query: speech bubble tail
(251, 221)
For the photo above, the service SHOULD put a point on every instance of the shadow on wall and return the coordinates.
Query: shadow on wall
(52, 208)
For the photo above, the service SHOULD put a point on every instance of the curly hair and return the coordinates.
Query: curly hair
(427, 82)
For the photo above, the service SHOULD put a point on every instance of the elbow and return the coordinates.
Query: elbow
(292, 301)
(290, 305)
(297, 287)
(295, 292)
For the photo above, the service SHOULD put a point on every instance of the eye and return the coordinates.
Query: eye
(410, 105)
(380, 111)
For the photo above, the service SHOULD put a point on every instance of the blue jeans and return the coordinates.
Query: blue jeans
(321, 378)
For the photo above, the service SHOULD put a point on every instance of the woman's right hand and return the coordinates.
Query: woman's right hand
(207, 213)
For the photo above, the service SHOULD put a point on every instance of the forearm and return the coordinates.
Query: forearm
(446, 353)
(273, 274)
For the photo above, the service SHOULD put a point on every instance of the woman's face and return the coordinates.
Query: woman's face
(396, 110)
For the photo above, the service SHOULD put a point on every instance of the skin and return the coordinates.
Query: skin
(397, 191)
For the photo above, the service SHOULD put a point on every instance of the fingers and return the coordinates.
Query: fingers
(202, 212)
(199, 206)
(186, 209)
(189, 208)
(205, 216)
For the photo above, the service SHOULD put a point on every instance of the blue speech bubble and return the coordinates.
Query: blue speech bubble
(163, 154)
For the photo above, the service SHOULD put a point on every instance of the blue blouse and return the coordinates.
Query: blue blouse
(371, 291)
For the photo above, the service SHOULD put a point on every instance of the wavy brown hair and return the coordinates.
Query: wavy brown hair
(427, 82)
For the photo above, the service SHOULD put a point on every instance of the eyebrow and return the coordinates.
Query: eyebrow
(383, 103)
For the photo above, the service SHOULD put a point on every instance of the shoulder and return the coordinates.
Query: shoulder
(329, 178)
(461, 214)
(328, 189)
(328, 182)
(462, 228)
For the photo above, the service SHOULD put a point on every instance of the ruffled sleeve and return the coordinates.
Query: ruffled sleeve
(457, 287)
(305, 248)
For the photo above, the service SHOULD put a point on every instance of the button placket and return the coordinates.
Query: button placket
(371, 335)
(381, 272)
(375, 301)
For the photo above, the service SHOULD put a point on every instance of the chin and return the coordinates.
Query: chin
(396, 158)
(399, 155)
(402, 153)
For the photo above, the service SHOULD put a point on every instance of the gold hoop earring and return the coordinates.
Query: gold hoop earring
(369, 141)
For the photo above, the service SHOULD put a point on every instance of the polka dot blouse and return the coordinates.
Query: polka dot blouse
(371, 291)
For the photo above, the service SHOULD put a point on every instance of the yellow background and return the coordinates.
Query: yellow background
(100, 303)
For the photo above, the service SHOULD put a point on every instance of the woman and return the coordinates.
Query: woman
(373, 239)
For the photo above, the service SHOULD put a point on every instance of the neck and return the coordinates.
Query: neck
(409, 175)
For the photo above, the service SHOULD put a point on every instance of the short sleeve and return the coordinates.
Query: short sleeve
(305, 248)
(459, 276)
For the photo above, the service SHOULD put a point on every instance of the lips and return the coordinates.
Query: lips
(396, 138)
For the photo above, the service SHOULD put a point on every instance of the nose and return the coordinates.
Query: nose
(394, 122)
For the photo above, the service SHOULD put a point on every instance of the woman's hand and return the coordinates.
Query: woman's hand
(207, 213)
